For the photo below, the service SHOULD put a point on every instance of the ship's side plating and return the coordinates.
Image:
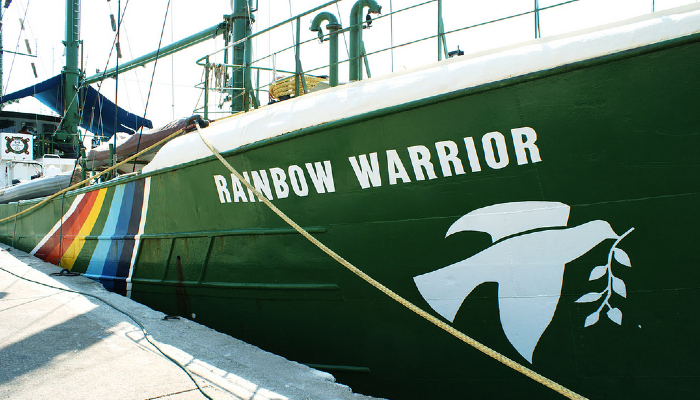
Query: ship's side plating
(583, 177)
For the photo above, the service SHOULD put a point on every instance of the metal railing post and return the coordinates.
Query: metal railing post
(356, 25)
(256, 103)
(537, 20)
(296, 61)
(439, 30)
(364, 57)
(206, 89)
(298, 73)
(246, 75)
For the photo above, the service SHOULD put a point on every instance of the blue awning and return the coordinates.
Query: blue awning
(98, 111)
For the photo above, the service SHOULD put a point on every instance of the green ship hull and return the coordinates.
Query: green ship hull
(550, 216)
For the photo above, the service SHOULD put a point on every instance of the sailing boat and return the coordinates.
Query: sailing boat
(38, 152)
(537, 201)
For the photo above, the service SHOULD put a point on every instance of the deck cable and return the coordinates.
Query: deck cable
(140, 326)
(434, 320)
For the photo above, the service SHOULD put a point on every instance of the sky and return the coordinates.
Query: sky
(173, 94)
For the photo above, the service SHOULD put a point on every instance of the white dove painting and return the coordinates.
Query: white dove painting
(531, 247)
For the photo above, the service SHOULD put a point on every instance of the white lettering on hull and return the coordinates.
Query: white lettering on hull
(320, 173)
(366, 172)
(448, 159)
(493, 145)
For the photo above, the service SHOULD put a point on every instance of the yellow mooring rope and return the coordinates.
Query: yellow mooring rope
(115, 166)
(454, 332)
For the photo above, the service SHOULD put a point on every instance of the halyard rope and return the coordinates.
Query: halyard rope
(454, 332)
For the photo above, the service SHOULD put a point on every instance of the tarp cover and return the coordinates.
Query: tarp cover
(98, 115)
(126, 145)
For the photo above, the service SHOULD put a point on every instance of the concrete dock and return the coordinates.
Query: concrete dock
(56, 344)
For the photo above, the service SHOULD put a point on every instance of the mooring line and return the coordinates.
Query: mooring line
(434, 320)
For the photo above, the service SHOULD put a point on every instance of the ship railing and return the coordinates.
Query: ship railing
(223, 71)
(279, 74)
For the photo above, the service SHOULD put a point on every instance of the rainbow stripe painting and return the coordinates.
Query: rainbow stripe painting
(116, 225)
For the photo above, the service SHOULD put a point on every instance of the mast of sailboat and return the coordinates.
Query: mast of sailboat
(242, 52)
(71, 71)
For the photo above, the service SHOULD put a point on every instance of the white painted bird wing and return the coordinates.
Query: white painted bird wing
(446, 288)
(501, 220)
(529, 270)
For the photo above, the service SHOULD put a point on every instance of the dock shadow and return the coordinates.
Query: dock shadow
(38, 350)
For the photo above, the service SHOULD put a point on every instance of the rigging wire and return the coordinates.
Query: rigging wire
(135, 71)
(104, 72)
(14, 56)
(116, 84)
(23, 22)
(36, 45)
(201, 92)
(391, 30)
(148, 98)
(31, 34)
(291, 23)
(172, 58)
(5, 7)
(345, 40)
(131, 53)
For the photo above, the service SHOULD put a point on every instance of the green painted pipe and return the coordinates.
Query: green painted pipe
(206, 34)
(206, 89)
(333, 27)
(242, 53)
(71, 71)
(356, 35)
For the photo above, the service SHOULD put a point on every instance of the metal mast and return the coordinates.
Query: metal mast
(242, 19)
(71, 71)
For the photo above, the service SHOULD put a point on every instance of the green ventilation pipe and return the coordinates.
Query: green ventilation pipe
(333, 27)
(356, 35)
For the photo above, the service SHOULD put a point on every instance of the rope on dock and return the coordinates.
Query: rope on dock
(434, 320)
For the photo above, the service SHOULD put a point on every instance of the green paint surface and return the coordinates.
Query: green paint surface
(618, 140)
